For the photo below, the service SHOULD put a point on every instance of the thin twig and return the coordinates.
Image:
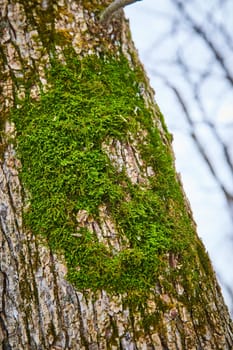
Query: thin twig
(113, 7)
(201, 32)
(200, 147)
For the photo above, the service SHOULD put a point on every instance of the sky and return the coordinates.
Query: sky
(207, 202)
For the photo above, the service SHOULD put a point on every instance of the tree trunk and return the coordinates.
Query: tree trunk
(98, 245)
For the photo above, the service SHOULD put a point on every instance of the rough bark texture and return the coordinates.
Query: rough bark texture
(39, 307)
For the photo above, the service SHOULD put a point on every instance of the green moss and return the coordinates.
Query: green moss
(65, 169)
(2, 138)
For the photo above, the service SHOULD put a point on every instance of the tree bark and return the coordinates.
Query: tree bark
(107, 256)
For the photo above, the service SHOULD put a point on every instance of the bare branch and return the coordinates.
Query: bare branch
(202, 34)
(113, 7)
(200, 148)
(196, 93)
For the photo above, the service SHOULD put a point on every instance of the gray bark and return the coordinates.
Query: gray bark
(39, 308)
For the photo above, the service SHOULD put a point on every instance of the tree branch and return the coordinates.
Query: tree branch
(113, 7)
(201, 32)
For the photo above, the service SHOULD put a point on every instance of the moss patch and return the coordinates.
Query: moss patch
(65, 169)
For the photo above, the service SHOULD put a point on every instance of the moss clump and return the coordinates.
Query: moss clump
(65, 169)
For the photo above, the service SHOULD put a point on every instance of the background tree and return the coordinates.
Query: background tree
(98, 244)
(187, 49)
